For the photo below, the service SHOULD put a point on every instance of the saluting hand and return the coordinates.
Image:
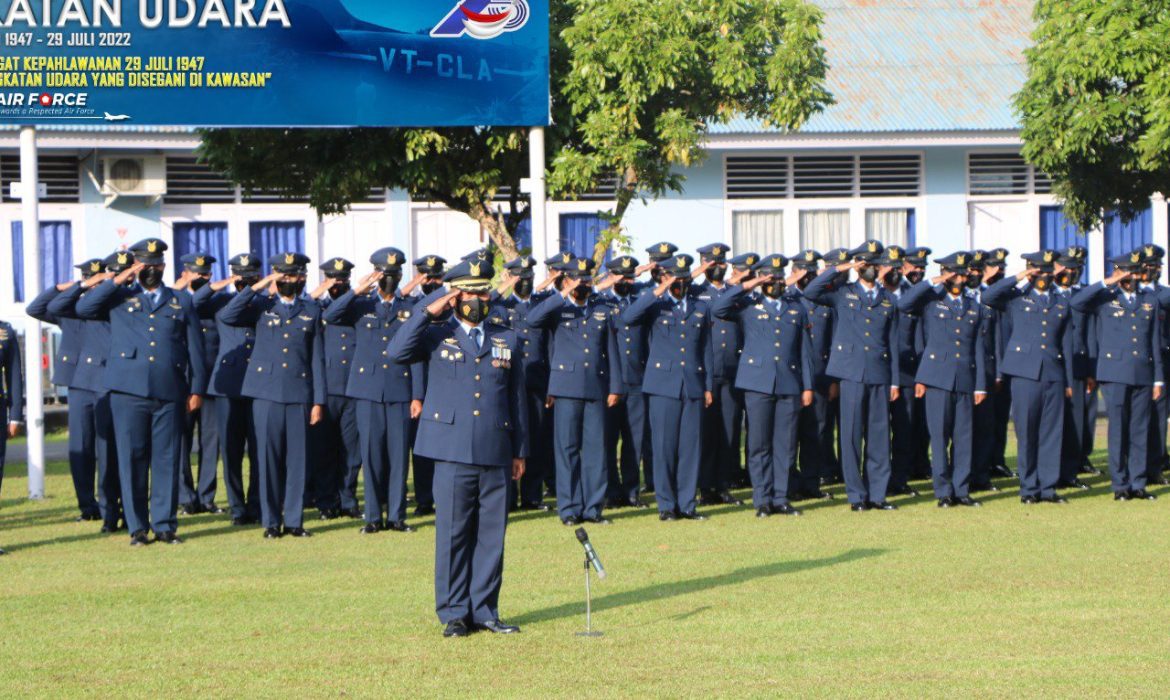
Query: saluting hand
(66, 285)
(414, 282)
(316, 413)
(992, 270)
(644, 268)
(367, 282)
(946, 276)
(97, 279)
(184, 280)
(664, 285)
(129, 273)
(796, 276)
(738, 276)
(222, 284)
(326, 285)
(569, 285)
(447, 301)
(266, 283)
(756, 282)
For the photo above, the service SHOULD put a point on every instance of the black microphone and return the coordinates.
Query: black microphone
(590, 552)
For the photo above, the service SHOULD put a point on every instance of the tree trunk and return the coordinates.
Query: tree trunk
(614, 230)
(496, 230)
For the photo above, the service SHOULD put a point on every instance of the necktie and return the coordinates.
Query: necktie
(476, 337)
(779, 305)
(872, 296)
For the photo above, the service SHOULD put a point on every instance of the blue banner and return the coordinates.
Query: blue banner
(275, 62)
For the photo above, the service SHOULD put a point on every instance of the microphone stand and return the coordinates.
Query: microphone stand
(589, 631)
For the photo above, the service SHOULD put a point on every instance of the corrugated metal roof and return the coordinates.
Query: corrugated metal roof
(918, 65)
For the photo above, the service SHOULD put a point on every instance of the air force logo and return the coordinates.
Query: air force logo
(483, 19)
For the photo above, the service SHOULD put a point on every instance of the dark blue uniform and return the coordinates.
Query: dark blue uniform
(1034, 357)
(155, 363)
(12, 400)
(1156, 457)
(336, 447)
(816, 433)
(629, 420)
(907, 419)
(583, 370)
(285, 378)
(200, 496)
(953, 368)
(1129, 364)
(864, 357)
(1076, 410)
(723, 420)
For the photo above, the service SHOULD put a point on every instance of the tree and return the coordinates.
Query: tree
(634, 83)
(646, 78)
(1095, 106)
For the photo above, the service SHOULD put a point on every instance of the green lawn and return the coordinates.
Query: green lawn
(1003, 601)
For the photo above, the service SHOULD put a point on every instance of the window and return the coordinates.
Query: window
(55, 250)
(208, 237)
(890, 176)
(60, 175)
(822, 176)
(807, 176)
(824, 229)
(757, 177)
(188, 180)
(759, 232)
(890, 226)
(1004, 173)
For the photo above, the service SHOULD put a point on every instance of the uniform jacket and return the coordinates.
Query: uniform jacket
(69, 347)
(777, 355)
(583, 361)
(866, 335)
(633, 343)
(1128, 334)
(374, 376)
(475, 410)
(680, 345)
(1083, 326)
(726, 336)
(956, 354)
(235, 343)
(340, 341)
(1040, 343)
(1162, 294)
(288, 361)
(89, 373)
(910, 339)
(10, 362)
(535, 341)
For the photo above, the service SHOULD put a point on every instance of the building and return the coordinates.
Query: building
(922, 148)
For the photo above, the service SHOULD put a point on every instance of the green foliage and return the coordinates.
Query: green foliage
(1096, 104)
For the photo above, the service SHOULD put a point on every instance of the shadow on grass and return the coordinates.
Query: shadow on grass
(674, 589)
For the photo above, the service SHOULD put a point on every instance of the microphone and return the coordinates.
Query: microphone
(590, 552)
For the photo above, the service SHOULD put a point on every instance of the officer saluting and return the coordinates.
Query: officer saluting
(815, 435)
(474, 423)
(428, 282)
(1129, 367)
(286, 381)
(952, 376)
(155, 366)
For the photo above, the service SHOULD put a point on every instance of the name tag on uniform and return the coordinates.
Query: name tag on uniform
(568, 314)
(854, 297)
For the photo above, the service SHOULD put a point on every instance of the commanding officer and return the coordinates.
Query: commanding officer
(1034, 359)
(519, 276)
(1129, 367)
(629, 419)
(237, 430)
(776, 376)
(92, 432)
(815, 433)
(906, 418)
(1066, 284)
(473, 424)
(865, 358)
(338, 455)
(155, 365)
(200, 499)
(952, 376)
(585, 377)
(83, 438)
(286, 381)
(677, 382)
(384, 391)
(428, 281)
(723, 421)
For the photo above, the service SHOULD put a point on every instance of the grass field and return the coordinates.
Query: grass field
(1002, 601)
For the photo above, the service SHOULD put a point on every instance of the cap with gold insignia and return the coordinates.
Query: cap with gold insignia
(678, 266)
(868, 251)
(624, 265)
(289, 263)
(336, 268)
(560, 260)
(955, 262)
(836, 257)
(771, 265)
(661, 251)
(1042, 260)
(581, 268)
(91, 267)
(918, 256)
(978, 259)
(1130, 262)
(471, 276)
(998, 256)
(119, 260)
(198, 262)
(806, 260)
(480, 254)
(1153, 253)
(244, 265)
(523, 267)
(714, 252)
(387, 259)
(892, 256)
(149, 251)
(1073, 257)
(744, 261)
(430, 265)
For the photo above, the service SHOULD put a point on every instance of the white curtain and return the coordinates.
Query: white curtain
(824, 229)
(887, 226)
(760, 232)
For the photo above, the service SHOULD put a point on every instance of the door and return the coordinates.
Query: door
(450, 234)
(355, 236)
(1001, 225)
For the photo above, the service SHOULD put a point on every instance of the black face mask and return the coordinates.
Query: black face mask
(974, 280)
(893, 277)
(679, 288)
(523, 287)
(388, 284)
(841, 278)
(869, 274)
(341, 287)
(805, 279)
(716, 273)
(290, 289)
(656, 274)
(1042, 281)
(582, 291)
(473, 310)
(1130, 284)
(994, 278)
(915, 276)
(245, 282)
(1066, 278)
(430, 286)
(150, 277)
(198, 283)
(773, 290)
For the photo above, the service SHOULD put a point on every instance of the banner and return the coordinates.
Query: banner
(274, 62)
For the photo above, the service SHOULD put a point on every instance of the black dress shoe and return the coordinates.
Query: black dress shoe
(1054, 499)
(108, 528)
(1121, 495)
(537, 507)
(725, 498)
(1077, 484)
(354, 513)
(905, 491)
(190, 509)
(1088, 468)
(571, 520)
(272, 533)
(763, 511)
(1029, 500)
(946, 502)
(139, 539)
(423, 511)
(785, 509)
(635, 503)
(1001, 470)
(329, 514)
(398, 526)
(708, 498)
(858, 507)
(243, 521)
(667, 515)
(297, 532)
(882, 505)
(497, 627)
(212, 509)
(86, 517)
(456, 628)
(597, 520)
(167, 538)
(371, 528)
(692, 515)
(968, 501)
(1142, 495)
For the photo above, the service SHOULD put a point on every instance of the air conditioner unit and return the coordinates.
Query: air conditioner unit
(133, 176)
